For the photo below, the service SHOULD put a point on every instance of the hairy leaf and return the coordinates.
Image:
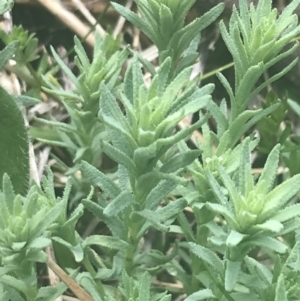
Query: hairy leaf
(14, 153)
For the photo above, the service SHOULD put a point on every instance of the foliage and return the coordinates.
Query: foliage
(237, 234)
(14, 151)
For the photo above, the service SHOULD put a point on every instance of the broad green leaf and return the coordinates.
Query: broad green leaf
(14, 153)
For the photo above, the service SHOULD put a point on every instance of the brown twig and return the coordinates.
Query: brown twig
(86, 13)
(81, 29)
(79, 292)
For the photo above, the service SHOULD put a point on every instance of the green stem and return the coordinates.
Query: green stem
(215, 71)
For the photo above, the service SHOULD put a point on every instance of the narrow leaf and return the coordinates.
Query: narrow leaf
(122, 201)
(279, 196)
(208, 256)
(231, 274)
(118, 156)
(105, 241)
(281, 294)
(180, 161)
(270, 169)
(201, 295)
(7, 53)
(97, 178)
(159, 192)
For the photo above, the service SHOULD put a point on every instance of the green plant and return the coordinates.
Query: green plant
(236, 233)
